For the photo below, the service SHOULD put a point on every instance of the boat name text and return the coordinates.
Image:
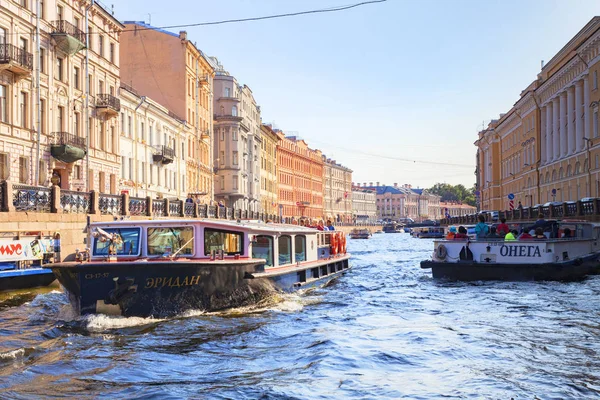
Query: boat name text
(172, 281)
(520, 251)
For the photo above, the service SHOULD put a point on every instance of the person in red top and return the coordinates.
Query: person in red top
(462, 233)
(502, 229)
(524, 235)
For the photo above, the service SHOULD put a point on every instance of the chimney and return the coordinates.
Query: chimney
(183, 35)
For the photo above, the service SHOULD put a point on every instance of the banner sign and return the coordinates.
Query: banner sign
(24, 249)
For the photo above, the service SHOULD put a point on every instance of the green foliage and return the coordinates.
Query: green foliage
(454, 193)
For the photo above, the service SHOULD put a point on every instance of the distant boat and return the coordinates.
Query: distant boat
(360, 233)
(378, 231)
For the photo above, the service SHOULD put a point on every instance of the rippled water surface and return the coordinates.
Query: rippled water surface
(383, 330)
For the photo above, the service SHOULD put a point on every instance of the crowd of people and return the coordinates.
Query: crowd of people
(503, 232)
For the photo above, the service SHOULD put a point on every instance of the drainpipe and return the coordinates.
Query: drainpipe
(38, 94)
(196, 122)
(87, 96)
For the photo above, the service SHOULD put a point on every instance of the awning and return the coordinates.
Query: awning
(67, 153)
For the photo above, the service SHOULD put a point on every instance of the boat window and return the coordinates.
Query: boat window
(284, 244)
(171, 240)
(300, 247)
(127, 241)
(228, 241)
(262, 247)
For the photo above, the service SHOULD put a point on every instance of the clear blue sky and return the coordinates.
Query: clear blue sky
(401, 79)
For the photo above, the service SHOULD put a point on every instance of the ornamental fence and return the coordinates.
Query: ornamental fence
(588, 210)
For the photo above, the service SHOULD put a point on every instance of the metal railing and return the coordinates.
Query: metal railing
(175, 208)
(9, 52)
(108, 100)
(61, 138)
(31, 198)
(68, 28)
(138, 206)
(166, 152)
(110, 204)
(75, 202)
(158, 207)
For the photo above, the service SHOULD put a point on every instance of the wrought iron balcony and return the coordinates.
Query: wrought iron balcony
(164, 155)
(108, 104)
(68, 37)
(15, 60)
(67, 147)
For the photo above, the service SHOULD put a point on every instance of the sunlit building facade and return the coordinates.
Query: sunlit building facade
(268, 171)
(337, 195)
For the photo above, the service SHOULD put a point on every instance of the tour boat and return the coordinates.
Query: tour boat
(428, 232)
(21, 257)
(554, 257)
(164, 267)
(360, 234)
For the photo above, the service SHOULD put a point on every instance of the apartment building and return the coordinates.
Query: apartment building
(268, 171)
(337, 195)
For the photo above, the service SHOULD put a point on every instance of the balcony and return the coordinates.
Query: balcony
(15, 60)
(68, 37)
(67, 147)
(225, 117)
(164, 155)
(107, 104)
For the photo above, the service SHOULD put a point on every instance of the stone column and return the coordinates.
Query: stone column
(543, 146)
(579, 142)
(555, 129)
(563, 125)
(586, 108)
(549, 140)
(570, 118)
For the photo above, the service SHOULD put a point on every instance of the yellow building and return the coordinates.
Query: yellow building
(268, 171)
(547, 146)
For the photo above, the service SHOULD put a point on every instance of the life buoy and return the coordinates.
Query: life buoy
(333, 244)
(343, 244)
(339, 241)
(441, 252)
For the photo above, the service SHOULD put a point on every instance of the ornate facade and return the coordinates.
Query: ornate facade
(337, 195)
(153, 161)
(268, 171)
(364, 205)
(77, 134)
(547, 147)
(300, 178)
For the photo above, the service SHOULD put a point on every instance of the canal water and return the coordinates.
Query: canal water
(384, 330)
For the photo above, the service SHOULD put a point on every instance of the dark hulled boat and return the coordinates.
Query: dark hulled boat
(162, 267)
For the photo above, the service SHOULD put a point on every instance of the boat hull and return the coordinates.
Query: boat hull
(166, 288)
(25, 278)
(573, 270)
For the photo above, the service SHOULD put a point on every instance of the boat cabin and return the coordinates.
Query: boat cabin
(279, 245)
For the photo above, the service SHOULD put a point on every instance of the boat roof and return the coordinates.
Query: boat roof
(254, 226)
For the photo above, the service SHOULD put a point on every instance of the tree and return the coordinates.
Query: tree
(458, 193)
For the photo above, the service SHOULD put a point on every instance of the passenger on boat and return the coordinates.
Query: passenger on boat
(566, 233)
(330, 226)
(503, 228)
(481, 229)
(539, 233)
(511, 236)
(525, 235)
(320, 225)
(451, 233)
(540, 220)
(493, 234)
(462, 233)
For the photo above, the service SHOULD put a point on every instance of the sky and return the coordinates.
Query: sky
(397, 91)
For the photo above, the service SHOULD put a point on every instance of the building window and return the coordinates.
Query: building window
(227, 94)
(60, 118)
(222, 157)
(234, 135)
(42, 9)
(595, 123)
(78, 172)
(3, 104)
(222, 182)
(59, 69)
(101, 45)
(59, 13)
(42, 61)
(4, 169)
(23, 110)
(131, 168)
(102, 136)
(595, 79)
(23, 170)
(112, 53)
(234, 111)
(235, 182)
(43, 115)
(222, 134)
(129, 126)
(76, 78)
(235, 158)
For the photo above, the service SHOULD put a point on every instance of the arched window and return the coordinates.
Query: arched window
(262, 247)
(541, 179)
(529, 182)
(577, 168)
(585, 165)
(234, 111)
(561, 173)
(547, 177)
(553, 175)
(284, 245)
(569, 170)
(300, 248)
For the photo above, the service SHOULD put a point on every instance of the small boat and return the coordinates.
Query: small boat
(360, 234)
(570, 251)
(164, 267)
(428, 232)
(392, 228)
(21, 257)
(378, 231)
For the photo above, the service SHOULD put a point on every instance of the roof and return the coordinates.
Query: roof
(147, 26)
(393, 190)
